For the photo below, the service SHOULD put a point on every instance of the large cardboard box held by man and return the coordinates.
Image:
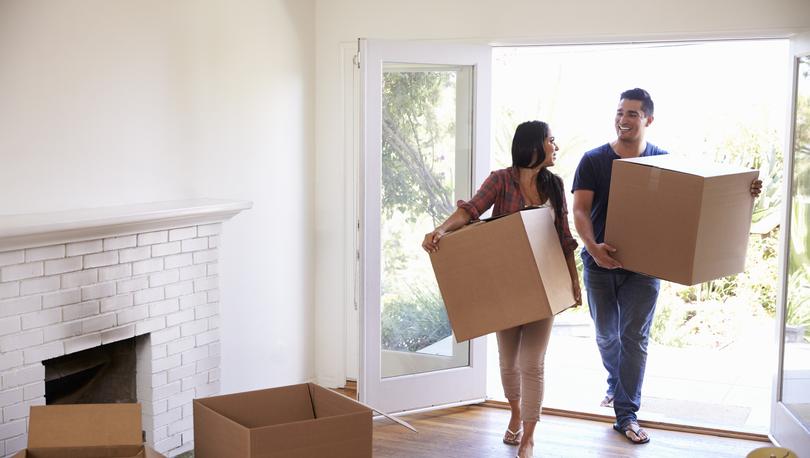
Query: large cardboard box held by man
(86, 430)
(497, 274)
(681, 221)
(287, 422)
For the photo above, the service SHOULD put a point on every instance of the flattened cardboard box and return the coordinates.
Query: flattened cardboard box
(296, 421)
(502, 273)
(679, 221)
(86, 431)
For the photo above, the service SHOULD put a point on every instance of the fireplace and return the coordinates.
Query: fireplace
(124, 296)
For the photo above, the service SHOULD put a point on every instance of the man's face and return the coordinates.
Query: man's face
(630, 120)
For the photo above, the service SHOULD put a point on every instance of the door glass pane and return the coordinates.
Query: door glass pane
(426, 154)
(796, 373)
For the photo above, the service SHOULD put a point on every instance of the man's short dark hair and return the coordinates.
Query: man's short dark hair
(647, 105)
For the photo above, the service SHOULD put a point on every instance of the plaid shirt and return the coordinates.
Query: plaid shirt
(502, 188)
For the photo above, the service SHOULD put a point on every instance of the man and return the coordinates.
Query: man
(622, 303)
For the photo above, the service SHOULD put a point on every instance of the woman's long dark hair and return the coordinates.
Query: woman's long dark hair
(529, 138)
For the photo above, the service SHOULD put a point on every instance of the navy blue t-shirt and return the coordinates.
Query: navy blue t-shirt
(593, 173)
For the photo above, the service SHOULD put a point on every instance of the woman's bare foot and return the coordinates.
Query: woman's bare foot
(526, 450)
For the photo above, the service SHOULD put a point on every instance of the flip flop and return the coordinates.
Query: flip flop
(512, 437)
(632, 432)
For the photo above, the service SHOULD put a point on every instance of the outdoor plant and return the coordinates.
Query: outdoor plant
(414, 322)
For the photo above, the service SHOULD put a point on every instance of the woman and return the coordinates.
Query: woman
(522, 349)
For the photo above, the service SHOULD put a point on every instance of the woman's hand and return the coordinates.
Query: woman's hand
(756, 188)
(431, 242)
(577, 292)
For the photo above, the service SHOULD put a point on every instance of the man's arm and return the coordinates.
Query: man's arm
(600, 252)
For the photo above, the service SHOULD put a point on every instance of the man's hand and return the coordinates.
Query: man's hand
(756, 188)
(601, 254)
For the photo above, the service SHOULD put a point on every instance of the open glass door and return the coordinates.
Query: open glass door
(790, 412)
(424, 144)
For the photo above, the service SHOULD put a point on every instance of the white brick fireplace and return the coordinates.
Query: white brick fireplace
(70, 281)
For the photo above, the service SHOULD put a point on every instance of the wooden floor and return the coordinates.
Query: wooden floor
(476, 431)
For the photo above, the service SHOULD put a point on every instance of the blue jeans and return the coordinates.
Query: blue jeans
(622, 306)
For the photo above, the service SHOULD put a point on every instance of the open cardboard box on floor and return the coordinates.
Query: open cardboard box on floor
(682, 221)
(86, 431)
(296, 421)
(501, 273)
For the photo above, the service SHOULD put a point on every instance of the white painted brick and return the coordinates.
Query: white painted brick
(213, 322)
(128, 286)
(63, 297)
(116, 243)
(164, 278)
(195, 327)
(82, 343)
(106, 258)
(158, 380)
(60, 266)
(151, 238)
(45, 252)
(188, 436)
(207, 310)
(184, 424)
(201, 257)
(158, 351)
(213, 242)
(17, 306)
(10, 360)
(155, 407)
(179, 260)
(34, 390)
(109, 304)
(208, 389)
(213, 295)
(154, 435)
(21, 340)
(164, 307)
(98, 291)
(166, 364)
(43, 352)
(11, 429)
(182, 372)
(181, 398)
(15, 444)
(166, 391)
(98, 323)
(165, 249)
(115, 272)
(9, 289)
(205, 284)
(193, 300)
(209, 229)
(63, 331)
(147, 295)
(116, 334)
(147, 266)
(180, 317)
(39, 285)
(11, 397)
(10, 325)
(194, 245)
(195, 381)
(82, 310)
(150, 325)
(194, 355)
(188, 411)
(165, 335)
(179, 289)
(8, 258)
(22, 271)
(192, 272)
(24, 376)
(80, 278)
(182, 234)
(171, 442)
(207, 337)
(134, 254)
(41, 318)
(214, 348)
(133, 314)
(180, 346)
(15, 412)
(213, 375)
(213, 269)
(80, 248)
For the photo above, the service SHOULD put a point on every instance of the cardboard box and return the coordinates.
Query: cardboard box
(298, 421)
(86, 431)
(681, 221)
(498, 274)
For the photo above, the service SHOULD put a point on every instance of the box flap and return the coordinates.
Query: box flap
(253, 409)
(549, 258)
(681, 164)
(85, 425)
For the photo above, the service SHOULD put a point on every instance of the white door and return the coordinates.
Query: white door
(424, 145)
(790, 411)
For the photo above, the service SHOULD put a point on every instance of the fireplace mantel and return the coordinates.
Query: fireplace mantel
(39, 229)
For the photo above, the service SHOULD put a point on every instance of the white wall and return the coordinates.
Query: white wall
(112, 102)
(502, 22)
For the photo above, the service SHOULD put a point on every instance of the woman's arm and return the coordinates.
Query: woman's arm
(572, 270)
(458, 219)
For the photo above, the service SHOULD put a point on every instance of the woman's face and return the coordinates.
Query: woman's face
(550, 148)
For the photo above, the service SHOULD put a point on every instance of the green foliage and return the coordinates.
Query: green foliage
(414, 322)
